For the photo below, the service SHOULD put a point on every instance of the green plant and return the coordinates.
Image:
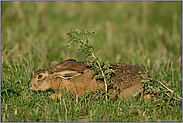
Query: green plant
(92, 60)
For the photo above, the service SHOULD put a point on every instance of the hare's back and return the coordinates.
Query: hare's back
(126, 75)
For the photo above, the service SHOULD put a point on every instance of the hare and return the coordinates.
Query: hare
(77, 78)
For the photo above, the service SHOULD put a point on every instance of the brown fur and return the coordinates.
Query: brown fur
(76, 78)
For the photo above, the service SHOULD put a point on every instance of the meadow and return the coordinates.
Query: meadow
(34, 34)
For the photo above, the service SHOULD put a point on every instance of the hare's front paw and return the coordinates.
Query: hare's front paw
(57, 96)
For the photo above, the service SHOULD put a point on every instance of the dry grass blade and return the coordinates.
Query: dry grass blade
(65, 110)
(179, 98)
(58, 116)
(106, 117)
(90, 115)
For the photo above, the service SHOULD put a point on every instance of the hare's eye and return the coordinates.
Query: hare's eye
(40, 76)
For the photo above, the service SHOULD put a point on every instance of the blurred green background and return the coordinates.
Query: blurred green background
(126, 30)
(33, 34)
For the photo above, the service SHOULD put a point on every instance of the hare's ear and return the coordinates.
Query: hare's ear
(59, 66)
(67, 73)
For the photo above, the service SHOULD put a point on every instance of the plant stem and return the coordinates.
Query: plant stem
(102, 73)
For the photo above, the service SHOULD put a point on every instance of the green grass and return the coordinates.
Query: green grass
(33, 34)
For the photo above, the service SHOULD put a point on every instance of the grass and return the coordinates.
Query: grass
(33, 34)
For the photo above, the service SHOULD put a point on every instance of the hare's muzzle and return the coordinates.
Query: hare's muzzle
(30, 85)
(33, 86)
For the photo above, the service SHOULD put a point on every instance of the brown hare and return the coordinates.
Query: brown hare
(76, 78)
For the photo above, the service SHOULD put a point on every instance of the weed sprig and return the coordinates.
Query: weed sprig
(92, 60)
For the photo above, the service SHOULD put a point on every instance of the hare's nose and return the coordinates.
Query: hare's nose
(30, 85)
